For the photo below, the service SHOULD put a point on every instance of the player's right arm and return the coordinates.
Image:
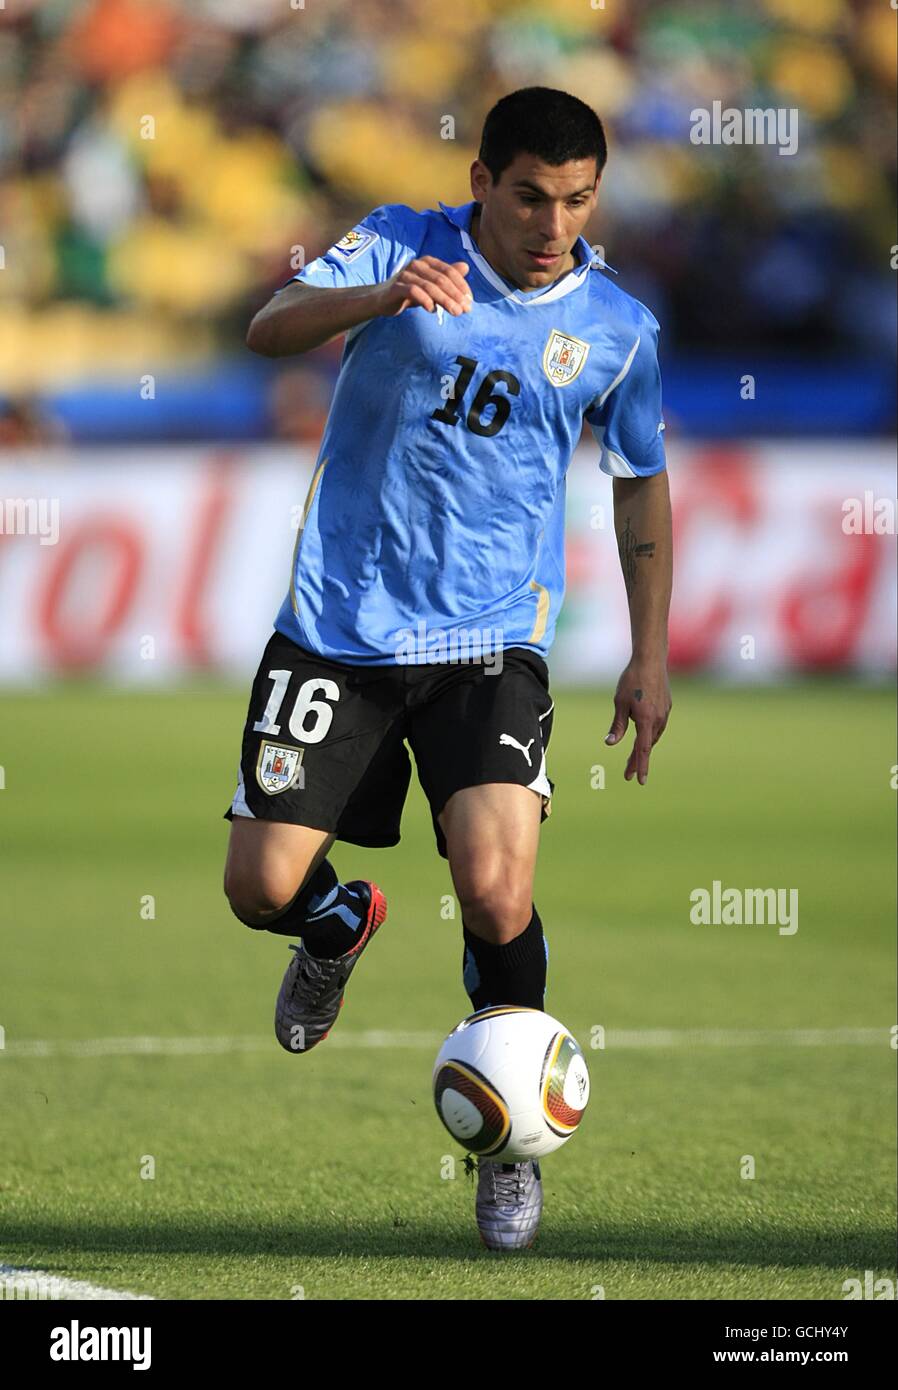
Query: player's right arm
(302, 316)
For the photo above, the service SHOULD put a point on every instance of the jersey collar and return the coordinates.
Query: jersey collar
(461, 216)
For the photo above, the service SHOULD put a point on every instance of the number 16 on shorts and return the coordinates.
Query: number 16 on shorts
(279, 766)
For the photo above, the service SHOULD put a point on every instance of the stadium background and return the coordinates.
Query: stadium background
(161, 163)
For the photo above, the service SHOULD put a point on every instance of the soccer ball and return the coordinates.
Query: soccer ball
(510, 1083)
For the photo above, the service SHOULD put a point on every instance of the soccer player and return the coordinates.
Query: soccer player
(428, 570)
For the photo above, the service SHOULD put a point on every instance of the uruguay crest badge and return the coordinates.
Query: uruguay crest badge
(277, 767)
(564, 357)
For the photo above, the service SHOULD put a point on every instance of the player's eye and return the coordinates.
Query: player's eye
(572, 202)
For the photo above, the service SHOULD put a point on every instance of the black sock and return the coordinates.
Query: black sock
(513, 973)
(339, 917)
(343, 907)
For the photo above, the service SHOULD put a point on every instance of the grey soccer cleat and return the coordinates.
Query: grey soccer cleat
(311, 993)
(509, 1203)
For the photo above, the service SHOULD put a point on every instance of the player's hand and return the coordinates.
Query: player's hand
(425, 283)
(643, 695)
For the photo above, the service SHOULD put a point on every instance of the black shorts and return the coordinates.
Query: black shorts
(324, 743)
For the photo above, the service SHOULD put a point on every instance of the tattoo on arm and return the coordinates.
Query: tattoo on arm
(631, 550)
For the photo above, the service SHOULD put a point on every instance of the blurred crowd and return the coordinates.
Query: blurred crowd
(160, 161)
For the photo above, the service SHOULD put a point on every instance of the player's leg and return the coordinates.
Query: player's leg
(315, 732)
(278, 878)
(480, 737)
(480, 742)
(492, 836)
(268, 863)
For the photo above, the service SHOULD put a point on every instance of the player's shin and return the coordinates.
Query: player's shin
(511, 973)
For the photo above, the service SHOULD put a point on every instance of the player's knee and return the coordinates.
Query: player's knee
(496, 910)
(256, 898)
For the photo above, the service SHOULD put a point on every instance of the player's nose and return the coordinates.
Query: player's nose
(551, 225)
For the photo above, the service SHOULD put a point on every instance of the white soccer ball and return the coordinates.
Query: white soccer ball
(510, 1083)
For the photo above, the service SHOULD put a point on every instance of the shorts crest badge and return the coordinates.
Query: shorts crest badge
(277, 767)
(564, 357)
(354, 243)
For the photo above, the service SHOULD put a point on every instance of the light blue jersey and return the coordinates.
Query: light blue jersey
(434, 522)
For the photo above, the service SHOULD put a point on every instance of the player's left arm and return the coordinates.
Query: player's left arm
(642, 523)
(627, 423)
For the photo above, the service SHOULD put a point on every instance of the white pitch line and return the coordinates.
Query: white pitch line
(26, 1285)
(200, 1046)
(749, 1037)
(615, 1039)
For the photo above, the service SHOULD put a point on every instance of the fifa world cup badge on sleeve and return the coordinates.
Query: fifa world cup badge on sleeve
(355, 242)
(277, 767)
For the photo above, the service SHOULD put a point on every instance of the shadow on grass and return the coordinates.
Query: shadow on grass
(838, 1248)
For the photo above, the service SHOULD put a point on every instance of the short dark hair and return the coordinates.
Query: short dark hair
(552, 125)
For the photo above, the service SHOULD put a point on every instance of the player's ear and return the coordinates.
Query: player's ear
(480, 180)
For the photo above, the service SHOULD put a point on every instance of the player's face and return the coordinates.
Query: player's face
(531, 218)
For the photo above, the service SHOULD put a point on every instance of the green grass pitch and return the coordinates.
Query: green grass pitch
(325, 1176)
